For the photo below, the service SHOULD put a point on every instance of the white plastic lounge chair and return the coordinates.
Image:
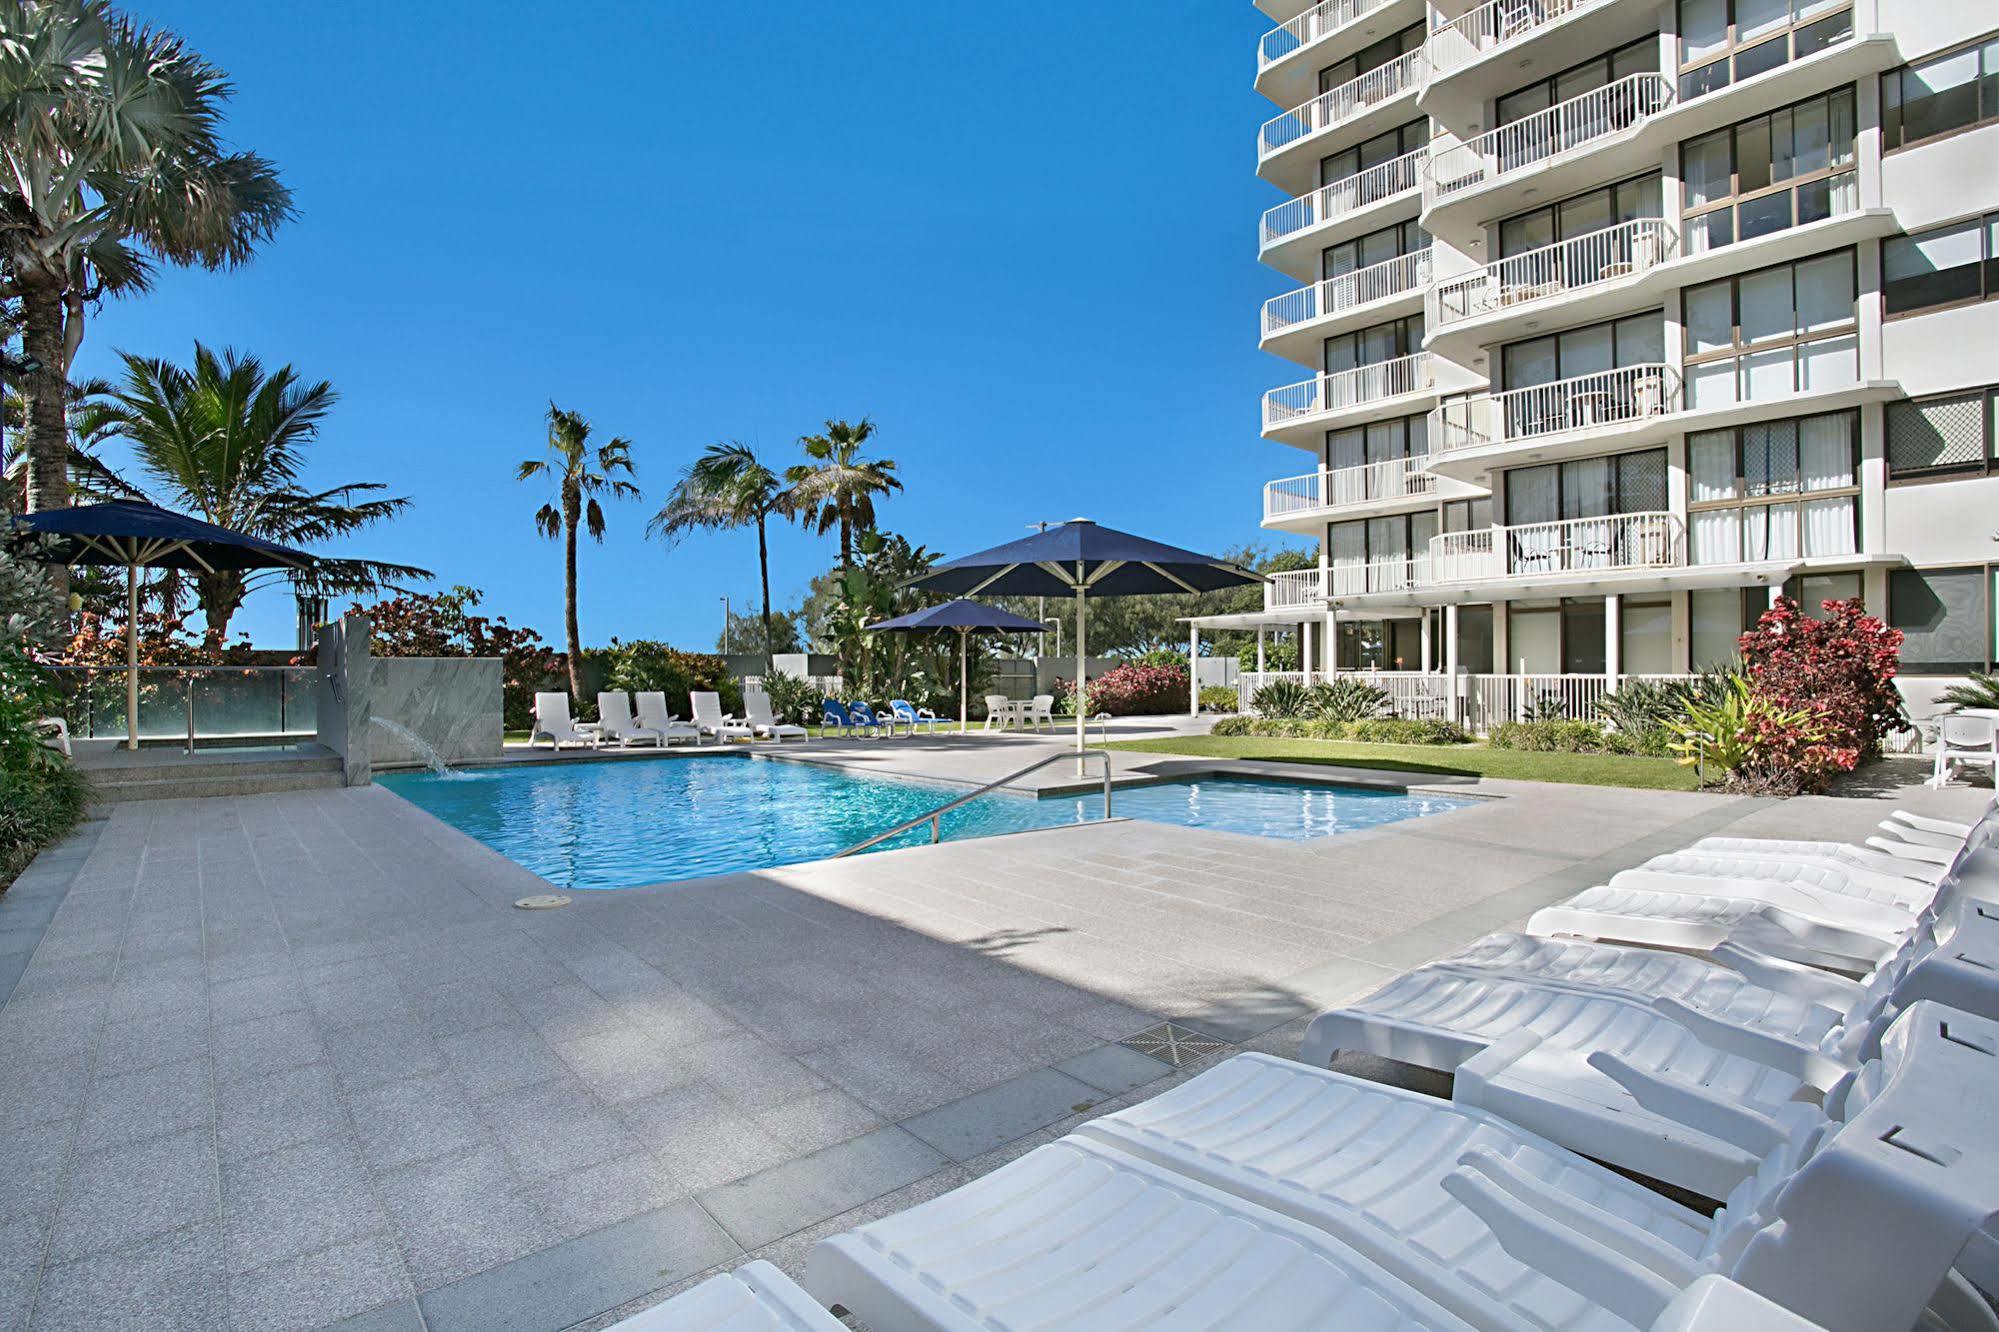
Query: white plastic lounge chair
(1962, 739)
(1415, 1199)
(654, 716)
(756, 707)
(551, 720)
(756, 1297)
(1865, 885)
(708, 717)
(1840, 855)
(615, 724)
(54, 732)
(1041, 711)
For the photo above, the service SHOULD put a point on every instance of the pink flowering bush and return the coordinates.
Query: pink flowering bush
(1134, 690)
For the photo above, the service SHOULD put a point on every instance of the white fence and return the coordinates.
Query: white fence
(1348, 291)
(1389, 479)
(1478, 702)
(1350, 195)
(1553, 270)
(1491, 26)
(1347, 388)
(1565, 127)
(1611, 397)
(1310, 26)
(1654, 540)
(1330, 108)
(1297, 587)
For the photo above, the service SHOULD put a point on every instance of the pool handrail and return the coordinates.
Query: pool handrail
(932, 817)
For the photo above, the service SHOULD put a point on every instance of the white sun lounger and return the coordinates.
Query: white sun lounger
(654, 716)
(756, 1297)
(708, 717)
(1887, 889)
(1838, 854)
(764, 725)
(552, 721)
(616, 725)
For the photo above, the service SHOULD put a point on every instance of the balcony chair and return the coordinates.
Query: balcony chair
(1962, 739)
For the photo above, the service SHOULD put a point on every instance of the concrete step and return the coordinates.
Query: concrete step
(185, 785)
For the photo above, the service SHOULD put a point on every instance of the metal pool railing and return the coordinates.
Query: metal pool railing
(190, 703)
(935, 816)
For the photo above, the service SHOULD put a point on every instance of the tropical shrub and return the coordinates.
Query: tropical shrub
(1839, 667)
(1219, 698)
(1236, 725)
(791, 699)
(1980, 691)
(1297, 728)
(646, 664)
(1278, 655)
(42, 794)
(1135, 690)
(444, 624)
(1162, 656)
(1280, 698)
(1407, 731)
(1345, 699)
(1643, 706)
(1749, 742)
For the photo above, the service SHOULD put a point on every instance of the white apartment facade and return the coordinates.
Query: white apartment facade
(1616, 318)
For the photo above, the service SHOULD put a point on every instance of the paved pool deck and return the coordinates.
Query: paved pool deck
(296, 1060)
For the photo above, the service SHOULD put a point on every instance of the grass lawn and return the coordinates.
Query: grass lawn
(1445, 760)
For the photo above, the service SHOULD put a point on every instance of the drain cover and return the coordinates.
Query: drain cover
(1174, 1044)
(542, 902)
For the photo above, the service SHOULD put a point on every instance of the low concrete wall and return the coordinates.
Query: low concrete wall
(452, 702)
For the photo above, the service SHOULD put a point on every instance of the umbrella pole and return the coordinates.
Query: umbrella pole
(964, 680)
(131, 656)
(1082, 694)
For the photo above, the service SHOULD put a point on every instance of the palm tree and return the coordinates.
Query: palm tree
(228, 441)
(113, 161)
(727, 487)
(838, 487)
(582, 474)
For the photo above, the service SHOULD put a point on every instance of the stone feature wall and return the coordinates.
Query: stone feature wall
(452, 702)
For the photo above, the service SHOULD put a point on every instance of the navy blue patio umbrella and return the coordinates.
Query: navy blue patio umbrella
(1079, 558)
(135, 534)
(968, 618)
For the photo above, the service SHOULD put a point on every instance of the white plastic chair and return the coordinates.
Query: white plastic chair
(55, 734)
(763, 724)
(615, 724)
(654, 716)
(551, 719)
(1041, 711)
(1962, 739)
(999, 712)
(709, 718)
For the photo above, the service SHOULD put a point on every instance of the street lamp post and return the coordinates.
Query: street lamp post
(725, 625)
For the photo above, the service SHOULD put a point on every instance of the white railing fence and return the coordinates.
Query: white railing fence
(1570, 265)
(1562, 128)
(1389, 479)
(1628, 393)
(1395, 574)
(1310, 26)
(1491, 26)
(1299, 588)
(1340, 104)
(1347, 388)
(1572, 545)
(1478, 702)
(1363, 286)
(1349, 195)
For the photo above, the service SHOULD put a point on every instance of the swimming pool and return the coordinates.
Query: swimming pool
(621, 824)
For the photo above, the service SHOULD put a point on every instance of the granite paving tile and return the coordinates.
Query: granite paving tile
(126, 1193)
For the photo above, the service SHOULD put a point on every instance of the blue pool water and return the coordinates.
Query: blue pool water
(618, 825)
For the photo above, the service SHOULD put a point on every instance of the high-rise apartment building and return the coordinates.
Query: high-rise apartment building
(1613, 320)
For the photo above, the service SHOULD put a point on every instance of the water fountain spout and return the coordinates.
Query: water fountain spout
(431, 758)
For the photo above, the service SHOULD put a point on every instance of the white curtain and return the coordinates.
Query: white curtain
(1829, 526)
(1531, 495)
(1825, 451)
(1716, 536)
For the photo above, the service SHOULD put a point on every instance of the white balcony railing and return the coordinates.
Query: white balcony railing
(1570, 545)
(1309, 27)
(1586, 402)
(1491, 26)
(1566, 266)
(1348, 388)
(1566, 127)
(1402, 573)
(1361, 190)
(1341, 487)
(1343, 103)
(1297, 588)
(1348, 291)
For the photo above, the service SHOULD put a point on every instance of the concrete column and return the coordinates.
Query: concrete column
(1305, 649)
(1452, 701)
(1259, 649)
(1423, 643)
(1613, 639)
(1193, 670)
(346, 706)
(1683, 632)
(1776, 590)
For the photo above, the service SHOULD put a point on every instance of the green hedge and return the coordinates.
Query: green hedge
(1575, 737)
(1375, 731)
(39, 805)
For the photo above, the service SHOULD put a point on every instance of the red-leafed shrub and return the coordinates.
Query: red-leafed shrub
(1840, 668)
(1135, 690)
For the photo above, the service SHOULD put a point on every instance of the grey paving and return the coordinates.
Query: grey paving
(293, 1059)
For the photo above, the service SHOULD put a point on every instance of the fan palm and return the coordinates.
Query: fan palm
(111, 161)
(838, 487)
(728, 487)
(582, 473)
(228, 441)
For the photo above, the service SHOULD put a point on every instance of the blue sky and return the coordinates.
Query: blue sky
(1021, 237)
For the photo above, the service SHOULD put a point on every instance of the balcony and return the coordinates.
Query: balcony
(1614, 543)
(1299, 413)
(1296, 230)
(1568, 145)
(1289, 56)
(1485, 305)
(1399, 573)
(1288, 149)
(1301, 503)
(1299, 589)
(1597, 411)
(1295, 324)
(1482, 53)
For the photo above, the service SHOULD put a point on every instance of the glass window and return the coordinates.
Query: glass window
(1634, 58)
(1583, 636)
(1792, 331)
(1580, 215)
(1475, 639)
(1744, 483)
(1942, 95)
(1941, 266)
(1534, 639)
(1587, 487)
(1792, 166)
(1385, 147)
(1952, 434)
(1645, 637)
(1723, 41)
(1719, 617)
(1944, 618)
